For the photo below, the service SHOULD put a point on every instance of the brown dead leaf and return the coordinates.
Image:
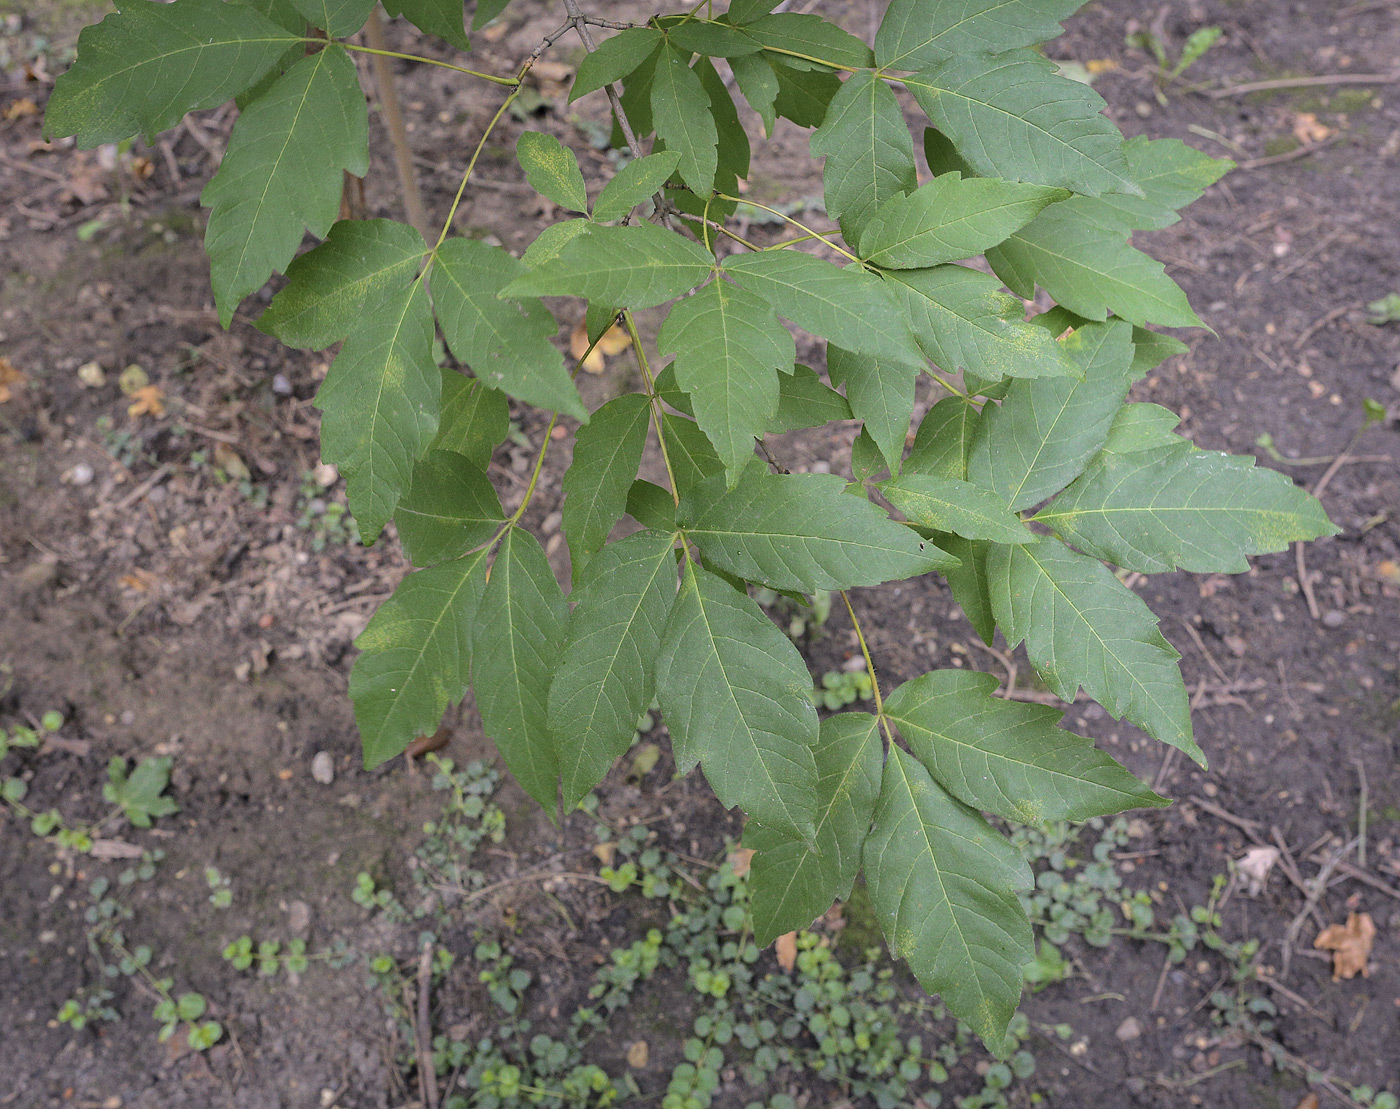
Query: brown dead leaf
(138, 581)
(739, 860)
(1255, 865)
(231, 462)
(785, 947)
(637, 1054)
(1350, 944)
(21, 108)
(1100, 65)
(605, 852)
(147, 401)
(1309, 1102)
(10, 377)
(1307, 130)
(615, 340)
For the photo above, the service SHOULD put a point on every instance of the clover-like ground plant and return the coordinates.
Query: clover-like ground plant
(1024, 487)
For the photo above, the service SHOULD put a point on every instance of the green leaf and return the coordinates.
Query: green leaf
(139, 795)
(916, 34)
(415, 656)
(329, 288)
(799, 36)
(801, 531)
(338, 18)
(968, 581)
(636, 99)
(473, 421)
(713, 40)
(142, 68)
(1083, 627)
(1141, 427)
(869, 152)
(845, 306)
(1042, 435)
(729, 347)
(651, 506)
(734, 693)
(1006, 758)
(449, 508)
(607, 452)
(805, 400)
(759, 84)
(486, 11)
(549, 242)
(379, 405)
(607, 673)
(746, 11)
(1011, 116)
(943, 883)
(1170, 173)
(614, 59)
(638, 266)
(804, 97)
(693, 459)
(964, 321)
(1079, 254)
(1173, 506)
(1151, 349)
(944, 440)
(505, 341)
(435, 17)
(942, 156)
(790, 883)
(282, 173)
(552, 170)
(948, 504)
(950, 218)
(634, 183)
(880, 393)
(680, 112)
(516, 641)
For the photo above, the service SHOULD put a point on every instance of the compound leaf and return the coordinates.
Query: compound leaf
(1006, 758)
(449, 508)
(681, 116)
(804, 38)
(964, 320)
(949, 504)
(436, 17)
(552, 170)
(517, 637)
(607, 672)
(791, 883)
(283, 173)
(614, 59)
(1173, 506)
(634, 183)
(916, 34)
(330, 287)
(638, 266)
(950, 218)
(846, 306)
(415, 656)
(1012, 116)
(729, 347)
(338, 18)
(504, 340)
(943, 883)
(1083, 627)
(142, 68)
(1043, 434)
(804, 532)
(712, 39)
(474, 418)
(756, 80)
(944, 440)
(379, 404)
(805, 400)
(734, 692)
(693, 459)
(1078, 252)
(880, 393)
(1170, 174)
(869, 152)
(607, 452)
(968, 581)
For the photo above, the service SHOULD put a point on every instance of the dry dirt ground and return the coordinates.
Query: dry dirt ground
(172, 583)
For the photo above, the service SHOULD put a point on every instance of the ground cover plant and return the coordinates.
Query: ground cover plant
(1024, 487)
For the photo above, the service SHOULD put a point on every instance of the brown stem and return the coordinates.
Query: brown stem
(580, 22)
(382, 69)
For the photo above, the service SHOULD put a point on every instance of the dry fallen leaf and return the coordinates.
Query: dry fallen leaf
(1256, 865)
(1100, 65)
(9, 377)
(1350, 944)
(614, 341)
(148, 400)
(638, 1054)
(605, 853)
(739, 860)
(1306, 128)
(21, 108)
(786, 949)
(1308, 1102)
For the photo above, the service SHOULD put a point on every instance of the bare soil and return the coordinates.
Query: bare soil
(167, 583)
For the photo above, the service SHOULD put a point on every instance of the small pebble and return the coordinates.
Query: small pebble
(820, 466)
(1130, 1029)
(299, 919)
(80, 474)
(281, 386)
(323, 768)
(1333, 619)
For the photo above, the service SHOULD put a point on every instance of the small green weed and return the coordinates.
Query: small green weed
(1385, 310)
(839, 688)
(325, 517)
(1192, 50)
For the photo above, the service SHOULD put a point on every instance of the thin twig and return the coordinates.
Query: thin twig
(1317, 886)
(1304, 83)
(1368, 880)
(1288, 155)
(427, 1073)
(1305, 581)
(1362, 819)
